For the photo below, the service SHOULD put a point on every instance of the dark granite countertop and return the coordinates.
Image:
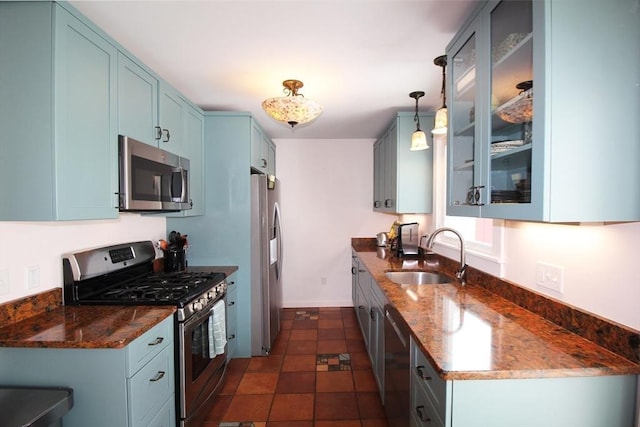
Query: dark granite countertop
(84, 326)
(41, 320)
(468, 332)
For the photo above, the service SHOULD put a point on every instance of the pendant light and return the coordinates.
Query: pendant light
(440, 127)
(418, 138)
(293, 108)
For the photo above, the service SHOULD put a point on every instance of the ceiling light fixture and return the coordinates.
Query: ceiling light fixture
(294, 108)
(441, 115)
(418, 138)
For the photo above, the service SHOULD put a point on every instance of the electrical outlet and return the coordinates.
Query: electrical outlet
(4, 281)
(33, 276)
(550, 277)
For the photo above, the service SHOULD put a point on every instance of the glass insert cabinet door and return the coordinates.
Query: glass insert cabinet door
(491, 88)
(462, 151)
(511, 102)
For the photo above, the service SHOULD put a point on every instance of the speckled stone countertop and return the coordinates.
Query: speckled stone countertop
(84, 327)
(467, 332)
(51, 325)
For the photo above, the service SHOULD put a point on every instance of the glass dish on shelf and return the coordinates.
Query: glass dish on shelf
(518, 109)
(501, 146)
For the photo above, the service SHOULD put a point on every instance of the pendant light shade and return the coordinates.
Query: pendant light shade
(441, 115)
(418, 138)
(294, 108)
(440, 127)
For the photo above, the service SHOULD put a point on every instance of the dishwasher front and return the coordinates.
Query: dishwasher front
(397, 399)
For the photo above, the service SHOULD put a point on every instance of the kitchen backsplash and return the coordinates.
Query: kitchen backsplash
(39, 246)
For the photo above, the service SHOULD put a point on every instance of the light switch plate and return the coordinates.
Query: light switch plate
(550, 277)
(33, 276)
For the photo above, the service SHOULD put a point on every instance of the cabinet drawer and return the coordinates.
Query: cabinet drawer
(149, 345)
(166, 417)
(423, 412)
(150, 388)
(424, 375)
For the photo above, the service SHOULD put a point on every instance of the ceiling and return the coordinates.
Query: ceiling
(360, 59)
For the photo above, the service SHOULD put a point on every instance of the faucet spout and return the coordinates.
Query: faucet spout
(461, 273)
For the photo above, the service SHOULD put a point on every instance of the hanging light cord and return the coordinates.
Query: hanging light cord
(443, 91)
(416, 118)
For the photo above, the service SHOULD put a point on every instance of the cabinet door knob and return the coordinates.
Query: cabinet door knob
(421, 373)
(232, 336)
(353, 270)
(156, 341)
(421, 415)
(158, 376)
(263, 162)
(231, 303)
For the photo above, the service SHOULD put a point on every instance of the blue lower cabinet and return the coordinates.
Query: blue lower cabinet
(129, 387)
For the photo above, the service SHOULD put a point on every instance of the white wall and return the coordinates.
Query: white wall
(327, 194)
(600, 273)
(42, 244)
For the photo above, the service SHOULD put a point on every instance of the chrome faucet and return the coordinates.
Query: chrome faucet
(461, 274)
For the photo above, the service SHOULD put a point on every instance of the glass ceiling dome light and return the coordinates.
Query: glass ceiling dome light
(418, 138)
(294, 108)
(440, 127)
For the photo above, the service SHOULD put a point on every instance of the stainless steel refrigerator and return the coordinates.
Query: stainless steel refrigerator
(266, 263)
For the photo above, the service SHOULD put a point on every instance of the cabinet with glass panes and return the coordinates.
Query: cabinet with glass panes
(526, 123)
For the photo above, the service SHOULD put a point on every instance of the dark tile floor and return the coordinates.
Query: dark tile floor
(318, 374)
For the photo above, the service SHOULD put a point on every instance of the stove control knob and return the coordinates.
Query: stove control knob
(197, 305)
(211, 295)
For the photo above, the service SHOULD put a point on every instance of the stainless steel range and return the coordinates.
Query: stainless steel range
(124, 275)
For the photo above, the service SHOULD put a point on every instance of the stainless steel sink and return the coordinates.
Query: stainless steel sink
(417, 278)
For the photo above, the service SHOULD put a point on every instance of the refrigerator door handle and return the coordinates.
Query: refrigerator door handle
(277, 225)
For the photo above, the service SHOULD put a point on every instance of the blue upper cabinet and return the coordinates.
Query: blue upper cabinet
(402, 179)
(193, 139)
(149, 109)
(263, 151)
(58, 128)
(543, 126)
(137, 101)
(171, 119)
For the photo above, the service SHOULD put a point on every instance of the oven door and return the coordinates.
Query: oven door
(200, 369)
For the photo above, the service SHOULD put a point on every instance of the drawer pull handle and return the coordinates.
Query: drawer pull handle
(421, 373)
(157, 341)
(421, 415)
(158, 376)
(231, 303)
(232, 336)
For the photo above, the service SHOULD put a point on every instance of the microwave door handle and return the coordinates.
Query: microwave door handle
(174, 177)
(184, 177)
(157, 186)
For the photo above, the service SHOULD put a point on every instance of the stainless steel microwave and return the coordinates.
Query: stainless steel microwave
(151, 179)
